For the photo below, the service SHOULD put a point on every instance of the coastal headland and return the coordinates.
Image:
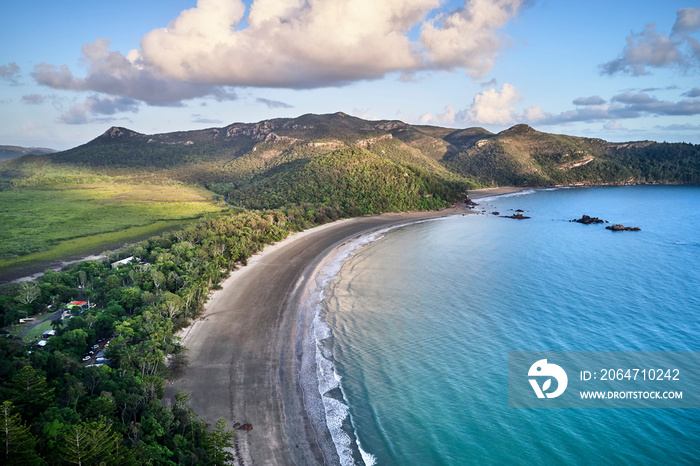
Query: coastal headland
(243, 359)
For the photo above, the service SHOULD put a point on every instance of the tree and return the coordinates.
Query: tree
(28, 292)
(158, 278)
(130, 297)
(29, 391)
(89, 443)
(221, 441)
(75, 341)
(112, 282)
(171, 304)
(18, 443)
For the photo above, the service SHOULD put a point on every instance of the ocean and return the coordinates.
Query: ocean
(416, 324)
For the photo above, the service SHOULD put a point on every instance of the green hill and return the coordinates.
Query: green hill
(331, 165)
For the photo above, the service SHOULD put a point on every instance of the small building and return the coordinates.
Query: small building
(83, 305)
(42, 343)
(122, 262)
(48, 334)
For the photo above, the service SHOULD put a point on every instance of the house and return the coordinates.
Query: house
(83, 305)
(42, 343)
(48, 334)
(122, 262)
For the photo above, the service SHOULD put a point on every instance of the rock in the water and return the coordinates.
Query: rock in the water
(518, 215)
(247, 427)
(618, 227)
(586, 220)
(495, 213)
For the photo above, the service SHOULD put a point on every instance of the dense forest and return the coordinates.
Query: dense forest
(59, 407)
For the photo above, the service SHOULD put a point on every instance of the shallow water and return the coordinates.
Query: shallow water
(421, 322)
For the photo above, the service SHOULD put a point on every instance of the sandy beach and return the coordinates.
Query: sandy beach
(244, 353)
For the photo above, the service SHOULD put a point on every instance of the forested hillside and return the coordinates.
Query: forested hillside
(337, 162)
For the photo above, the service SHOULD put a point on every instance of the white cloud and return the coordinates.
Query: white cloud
(494, 107)
(466, 38)
(291, 44)
(447, 117)
(499, 107)
(652, 49)
(112, 73)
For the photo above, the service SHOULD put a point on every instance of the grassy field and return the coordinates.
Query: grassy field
(42, 224)
(36, 332)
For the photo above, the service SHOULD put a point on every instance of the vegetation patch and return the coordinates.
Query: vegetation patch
(70, 219)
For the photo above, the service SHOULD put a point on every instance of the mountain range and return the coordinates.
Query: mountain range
(10, 152)
(363, 166)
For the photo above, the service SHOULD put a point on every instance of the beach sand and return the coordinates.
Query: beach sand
(244, 354)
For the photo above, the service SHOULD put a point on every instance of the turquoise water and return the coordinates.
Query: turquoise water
(422, 321)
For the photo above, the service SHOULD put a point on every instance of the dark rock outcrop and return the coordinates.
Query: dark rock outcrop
(586, 220)
(518, 215)
(618, 227)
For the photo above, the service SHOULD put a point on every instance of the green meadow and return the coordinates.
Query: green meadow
(44, 224)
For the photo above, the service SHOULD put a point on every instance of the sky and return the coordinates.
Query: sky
(626, 70)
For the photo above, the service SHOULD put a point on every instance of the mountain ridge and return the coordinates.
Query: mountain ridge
(8, 152)
(240, 156)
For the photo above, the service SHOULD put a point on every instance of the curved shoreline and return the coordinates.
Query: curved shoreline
(245, 351)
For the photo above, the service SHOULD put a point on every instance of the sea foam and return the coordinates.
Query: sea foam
(334, 409)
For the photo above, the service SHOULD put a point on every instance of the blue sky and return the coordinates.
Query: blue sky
(623, 70)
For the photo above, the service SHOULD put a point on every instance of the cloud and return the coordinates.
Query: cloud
(687, 21)
(466, 38)
(672, 87)
(295, 44)
(114, 74)
(10, 72)
(273, 103)
(613, 125)
(197, 118)
(494, 107)
(624, 106)
(489, 107)
(694, 92)
(652, 49)
(447, 117)
(491, 83)
(33, 99)
(499, 107)
(632, 98)
(684, 127)
(81, 113)
(585, 101)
